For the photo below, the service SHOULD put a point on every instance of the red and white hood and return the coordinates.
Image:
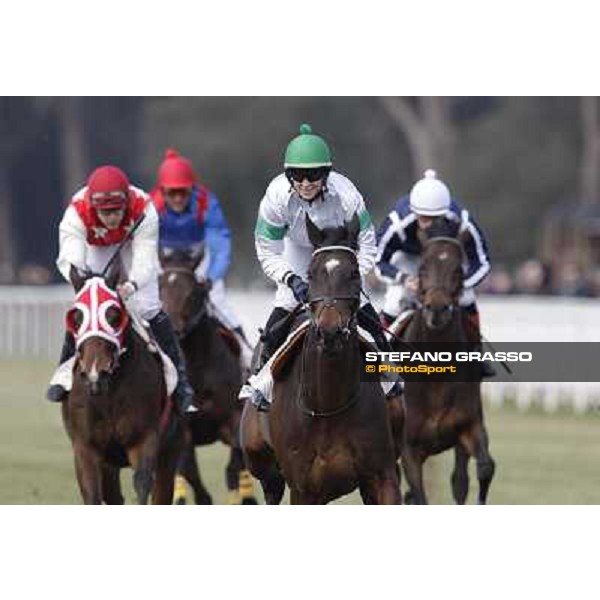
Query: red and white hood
(93, 301)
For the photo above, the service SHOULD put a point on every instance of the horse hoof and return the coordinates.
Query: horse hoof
(204, 500)
(180, 501)
(251, 500)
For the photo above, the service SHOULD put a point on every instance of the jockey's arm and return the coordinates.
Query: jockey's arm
(72, 243)
(367, 243)
(271, 228)
(388, 247)
(218, 240)
(476, 251)
(144, 264)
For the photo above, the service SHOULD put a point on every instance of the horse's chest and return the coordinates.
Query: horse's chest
(323, 464)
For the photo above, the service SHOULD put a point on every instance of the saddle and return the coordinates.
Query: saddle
(285, 355)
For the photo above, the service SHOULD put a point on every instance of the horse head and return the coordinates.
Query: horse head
(334, 282)
(184, 297)
(440, 273)
(98, 322)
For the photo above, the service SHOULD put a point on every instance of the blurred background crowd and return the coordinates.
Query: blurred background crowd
(527, 168)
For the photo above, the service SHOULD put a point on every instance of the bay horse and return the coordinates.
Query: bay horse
(327, 432)
(214, 372)
(440, 415)
(117, 413)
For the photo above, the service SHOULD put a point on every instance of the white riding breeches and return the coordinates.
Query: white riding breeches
(397, 295)
(146, 300)
(223, 311)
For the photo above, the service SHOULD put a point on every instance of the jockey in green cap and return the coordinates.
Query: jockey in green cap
(310, 187)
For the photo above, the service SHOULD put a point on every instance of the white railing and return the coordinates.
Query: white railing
(32, 326)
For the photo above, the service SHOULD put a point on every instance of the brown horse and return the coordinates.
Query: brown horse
(327, 432)
(440, 415)
(117, 413)
(214, 372)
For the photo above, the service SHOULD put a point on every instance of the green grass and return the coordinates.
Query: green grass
(541, 459)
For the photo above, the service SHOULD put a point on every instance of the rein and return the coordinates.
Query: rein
(354, 398)
(346, 331)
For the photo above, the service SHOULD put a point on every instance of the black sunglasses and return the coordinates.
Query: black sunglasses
(314, 174)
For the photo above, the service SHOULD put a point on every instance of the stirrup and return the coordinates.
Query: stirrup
(56, 393)
(395, 390)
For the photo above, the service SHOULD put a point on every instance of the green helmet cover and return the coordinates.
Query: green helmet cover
(307, 150)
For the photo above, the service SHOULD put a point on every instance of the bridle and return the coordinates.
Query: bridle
(453, 295)
(329, 301)
(199, 315)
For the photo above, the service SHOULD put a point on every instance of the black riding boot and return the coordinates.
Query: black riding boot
(57, 393)
(474, 336)
(275, 332)
(165, 335)
(368, 319)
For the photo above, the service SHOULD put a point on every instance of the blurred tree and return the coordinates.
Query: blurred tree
(430, 133)
(21, 120)
(590, 156)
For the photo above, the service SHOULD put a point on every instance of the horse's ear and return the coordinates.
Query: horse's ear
(353, 229)
(315, 235)
(463, 236)
(77, 278)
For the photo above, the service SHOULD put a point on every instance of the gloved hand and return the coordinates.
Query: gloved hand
(126, 290)
(299, 287)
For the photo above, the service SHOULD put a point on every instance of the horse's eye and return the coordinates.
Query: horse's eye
(74, 319)
(114, 316)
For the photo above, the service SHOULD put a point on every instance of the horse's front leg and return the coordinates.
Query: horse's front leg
(412, 461)
(88, 467)
(259, 457)
(111, 485)
(460, 475)
(143, 457)
(477, 445)
(381, 489)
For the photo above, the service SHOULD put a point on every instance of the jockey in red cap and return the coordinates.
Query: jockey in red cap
(191, 218)
(98, 218)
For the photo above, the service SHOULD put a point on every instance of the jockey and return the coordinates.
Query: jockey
(399, 250)
(98, 218)
(190, 217)
(307, 187)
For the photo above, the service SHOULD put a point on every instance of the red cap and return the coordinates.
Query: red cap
(176, 171)
(108, 187)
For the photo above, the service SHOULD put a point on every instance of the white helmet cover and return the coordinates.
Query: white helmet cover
(429, 196)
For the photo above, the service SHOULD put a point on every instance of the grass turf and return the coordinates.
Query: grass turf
(540, 458)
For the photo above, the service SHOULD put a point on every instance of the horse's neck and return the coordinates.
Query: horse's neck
(203, 335)
(330, 380)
